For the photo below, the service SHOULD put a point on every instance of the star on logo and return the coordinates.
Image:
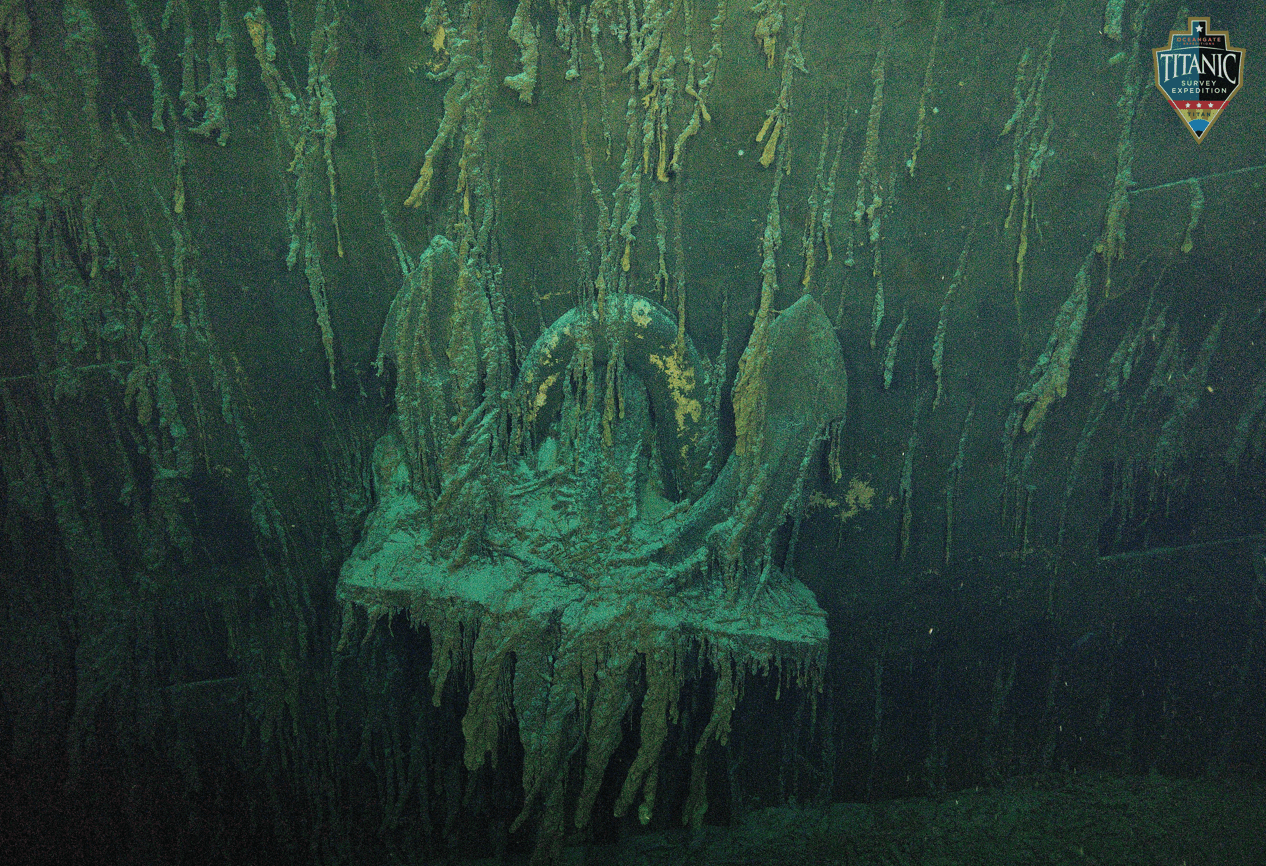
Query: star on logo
(1200, 28)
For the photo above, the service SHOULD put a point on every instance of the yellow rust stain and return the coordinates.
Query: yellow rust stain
(859, 497)
(540, 397)
(681, 386)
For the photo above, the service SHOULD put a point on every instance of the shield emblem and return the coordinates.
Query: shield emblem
(1198, 73)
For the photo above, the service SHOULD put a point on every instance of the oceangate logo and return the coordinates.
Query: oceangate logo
(1198, 73)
